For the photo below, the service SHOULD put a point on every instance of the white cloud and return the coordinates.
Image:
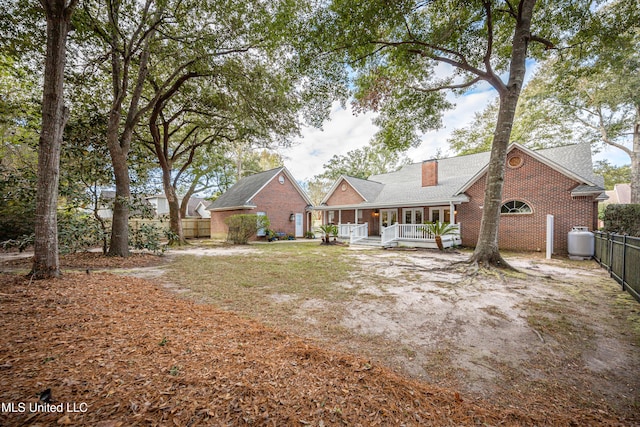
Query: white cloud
(345, 131)
(342, 133)
(613, 155)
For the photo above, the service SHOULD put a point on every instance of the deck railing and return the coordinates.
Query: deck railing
(345, 230)
(359, 232)
(389, 234)
(414, 232)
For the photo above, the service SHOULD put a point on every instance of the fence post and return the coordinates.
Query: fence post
(624, 260)
(610, 244)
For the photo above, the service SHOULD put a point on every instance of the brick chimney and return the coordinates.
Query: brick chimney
(430, 173)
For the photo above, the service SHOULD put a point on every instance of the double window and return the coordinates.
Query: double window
(515, 207)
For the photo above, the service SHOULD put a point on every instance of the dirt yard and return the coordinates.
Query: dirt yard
(555, 344)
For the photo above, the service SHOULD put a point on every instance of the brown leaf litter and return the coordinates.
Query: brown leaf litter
(121, 351)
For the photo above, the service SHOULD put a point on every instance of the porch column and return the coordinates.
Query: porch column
(452, 212)
(356, 212)
(340, 216)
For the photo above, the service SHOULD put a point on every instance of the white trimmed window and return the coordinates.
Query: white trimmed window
(516, 207)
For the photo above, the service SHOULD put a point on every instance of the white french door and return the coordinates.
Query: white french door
(388, 217)
(440, 214)
(412, 216)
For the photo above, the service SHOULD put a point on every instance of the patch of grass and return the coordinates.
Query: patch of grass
(494, 311)
(560, 321)
(242, 282)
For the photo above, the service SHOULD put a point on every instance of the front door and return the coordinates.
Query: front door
(299, 230)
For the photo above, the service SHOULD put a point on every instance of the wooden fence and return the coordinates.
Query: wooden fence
(192, 228)
(620, 255)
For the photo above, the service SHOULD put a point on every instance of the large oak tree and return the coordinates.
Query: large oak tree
(46, 263)
(407, 53)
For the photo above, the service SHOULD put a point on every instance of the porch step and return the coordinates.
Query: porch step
(372, 241)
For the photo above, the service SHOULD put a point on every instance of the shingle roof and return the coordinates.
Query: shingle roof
(241, 193)
(192, 204)
(455, 174)
(621, 193)
(575, 158)
(369, 189)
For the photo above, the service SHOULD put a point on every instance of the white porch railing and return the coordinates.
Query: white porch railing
(414, 232)
(359, 232)
(345, 230)
(389, 234)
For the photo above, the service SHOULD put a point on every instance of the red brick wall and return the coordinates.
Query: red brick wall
(348, 196)
(277, 200)
(218, 228)
(429, 173)
(546, 191)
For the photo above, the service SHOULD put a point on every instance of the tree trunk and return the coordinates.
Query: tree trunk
(161, 144)
(187, 196)
(486, 252)
(439, 243)
(175, 219)
(46, 262)
(119, 244)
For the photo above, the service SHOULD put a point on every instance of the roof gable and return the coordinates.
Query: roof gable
(573, 161)
(241, 194)
(366, 189)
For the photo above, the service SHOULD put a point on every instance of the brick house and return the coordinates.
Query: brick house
(274, 193)
(555, 181)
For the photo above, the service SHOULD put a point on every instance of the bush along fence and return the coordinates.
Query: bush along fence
(620, 255)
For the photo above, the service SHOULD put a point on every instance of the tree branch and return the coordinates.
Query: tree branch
(445, 87)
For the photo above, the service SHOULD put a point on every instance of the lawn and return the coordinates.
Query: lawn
(527, 339)
(303, 334)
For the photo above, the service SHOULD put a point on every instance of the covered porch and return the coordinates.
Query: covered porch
(392, 226)
(403, 235)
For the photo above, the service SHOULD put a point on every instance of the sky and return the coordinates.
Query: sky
(345, 132)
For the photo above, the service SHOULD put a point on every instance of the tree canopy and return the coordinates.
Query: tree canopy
(404, 55)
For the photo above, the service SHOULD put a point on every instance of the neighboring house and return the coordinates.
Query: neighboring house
(160, 204)
(105, 204)
(621, 194)
(274, 193)
(555, 181)
(196, 207)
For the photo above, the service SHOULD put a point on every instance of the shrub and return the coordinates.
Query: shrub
(77, 232)
(622, 219)
(244, 226)
(21, 242)
(329, 230)
(147, 236)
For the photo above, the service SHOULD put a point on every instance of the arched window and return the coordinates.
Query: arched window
(515, 207)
